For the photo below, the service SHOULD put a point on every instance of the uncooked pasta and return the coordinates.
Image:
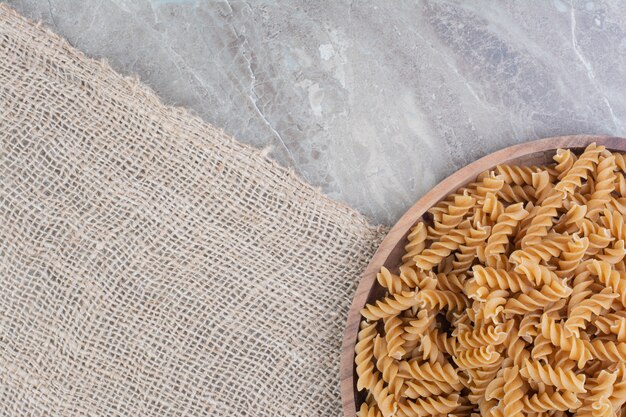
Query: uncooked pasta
(510, 299)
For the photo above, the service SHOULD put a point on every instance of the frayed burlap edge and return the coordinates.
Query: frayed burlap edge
(149, 263)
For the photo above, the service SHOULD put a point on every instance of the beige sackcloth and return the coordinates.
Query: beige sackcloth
(150, 265)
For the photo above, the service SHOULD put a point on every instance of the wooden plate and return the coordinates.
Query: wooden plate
(390, 252)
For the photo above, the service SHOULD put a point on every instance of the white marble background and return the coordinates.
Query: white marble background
(373, 101)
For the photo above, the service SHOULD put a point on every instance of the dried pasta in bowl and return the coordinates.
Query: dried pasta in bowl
(510, 300)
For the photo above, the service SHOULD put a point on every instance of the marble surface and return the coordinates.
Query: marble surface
(374, 102)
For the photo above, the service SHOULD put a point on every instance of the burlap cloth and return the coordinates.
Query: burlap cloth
(150, 265)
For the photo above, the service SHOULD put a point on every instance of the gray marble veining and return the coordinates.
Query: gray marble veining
(374, 102)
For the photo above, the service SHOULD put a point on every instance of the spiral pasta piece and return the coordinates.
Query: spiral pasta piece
(604, 186)
(579, 197)
(520, 175)
(477, 236)
(580, 169)
(593, 306)
(387, 366)
(411, 347)
(416, 389)
(504, 227)
(416, 243)
(544, 219)
(546, 374)
(570, 258)
(559, 400)
(389, 281)
(430, 406)
(435, 299)
(618, 203)
(550, 247)
(394, 330)
(475, 291)
(564, 159)
(450, 219)
(534, 299)
(482, 336)
(500, 279)
(583, 193)
(440, 249)
(480, 218)
(581, 290)
(437, 211)
(561, 337)
(513, 392)
(474, 358)
(364, 351)
(391, 306)
(610, 278)
(429, 372)
(607, 350)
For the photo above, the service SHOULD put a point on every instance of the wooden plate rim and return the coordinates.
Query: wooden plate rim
(401, 228)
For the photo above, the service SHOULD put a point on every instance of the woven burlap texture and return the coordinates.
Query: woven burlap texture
(150, 265)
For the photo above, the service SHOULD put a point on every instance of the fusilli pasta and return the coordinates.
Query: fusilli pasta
(510, 299)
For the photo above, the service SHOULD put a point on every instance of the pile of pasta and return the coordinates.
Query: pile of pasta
(510, 300)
